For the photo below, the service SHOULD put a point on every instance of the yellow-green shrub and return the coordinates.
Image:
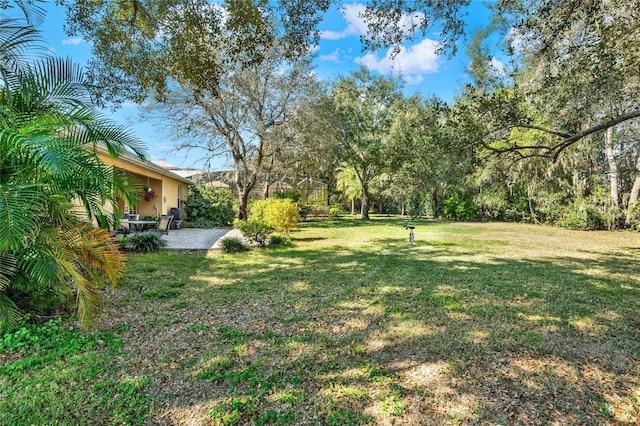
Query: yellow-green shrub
(280, 214)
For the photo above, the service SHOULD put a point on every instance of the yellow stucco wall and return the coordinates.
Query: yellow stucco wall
(166, 188)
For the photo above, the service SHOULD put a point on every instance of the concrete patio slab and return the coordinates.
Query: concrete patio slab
(197, 238)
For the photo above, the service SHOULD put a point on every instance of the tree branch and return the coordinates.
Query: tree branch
(566, 141)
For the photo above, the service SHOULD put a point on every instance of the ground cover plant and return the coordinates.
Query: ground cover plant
(476, 323)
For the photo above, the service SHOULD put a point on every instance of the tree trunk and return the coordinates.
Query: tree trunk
(613, 168)
(242, 210)
(434, 200)
(635, 191)
(532, 210)
(633, 198)
(364, 208)
(265, 190)
(353, 207)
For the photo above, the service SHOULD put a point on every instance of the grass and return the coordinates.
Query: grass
(476, 323)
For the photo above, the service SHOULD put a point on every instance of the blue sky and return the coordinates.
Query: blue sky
(339, 52)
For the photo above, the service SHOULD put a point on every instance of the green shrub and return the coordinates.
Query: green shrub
(200, 222)
(254, 230)
(335, 211)
(613, 218)
(233, 245)
(456, 208)
(582, 217)
(280, 241)
(280, 214)
(145, 242)
(303, 211)
(633, 216)
(418, 204)
(209, 206)
(292, 194)
(122, 241)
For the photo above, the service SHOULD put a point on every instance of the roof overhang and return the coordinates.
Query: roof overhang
(130, 158)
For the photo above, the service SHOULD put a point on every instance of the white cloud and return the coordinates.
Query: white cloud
(522, 43)
(410, 63)
(499, 69)
(74, 41)
(332, 57)
(413, 79)
(355, 24)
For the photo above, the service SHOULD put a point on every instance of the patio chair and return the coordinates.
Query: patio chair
(164, 223)
(122, 228)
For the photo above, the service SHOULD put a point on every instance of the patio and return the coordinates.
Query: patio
(197, 238)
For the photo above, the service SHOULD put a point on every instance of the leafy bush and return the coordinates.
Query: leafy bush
(456, 208)
(122, 241)
(303, 211)
(213, 206)
(200, 223)
(292, 194)
(582, 217)
(145, 242)
(280, 241)
(234, 245)
(254, 230)
(418, 204)
(633, 216)
(280, 214)
(613, 218)
(335, 211)
(493, 205)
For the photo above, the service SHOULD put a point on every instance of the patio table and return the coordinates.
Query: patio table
(141, 225)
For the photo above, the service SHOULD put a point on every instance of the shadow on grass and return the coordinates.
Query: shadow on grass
(412, 333)
(356, 221)
(308, 239)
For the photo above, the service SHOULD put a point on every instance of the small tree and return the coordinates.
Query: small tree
(213, 206)
(280, 214)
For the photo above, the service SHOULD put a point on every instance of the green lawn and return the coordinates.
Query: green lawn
(477, 323)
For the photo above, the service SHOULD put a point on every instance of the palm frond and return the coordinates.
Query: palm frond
(17, 219)
(88, 292)
(10, 315)
(60, 82)
(8, 268)
(92, 128)
(96, 259)
(33, 13)
(16, 39)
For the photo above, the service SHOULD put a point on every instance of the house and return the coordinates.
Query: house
(312, 192)
(160, 189)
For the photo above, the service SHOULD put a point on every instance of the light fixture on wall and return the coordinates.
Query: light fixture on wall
(148, 187)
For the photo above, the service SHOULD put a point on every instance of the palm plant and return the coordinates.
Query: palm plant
(347, 181)
(52, 184)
